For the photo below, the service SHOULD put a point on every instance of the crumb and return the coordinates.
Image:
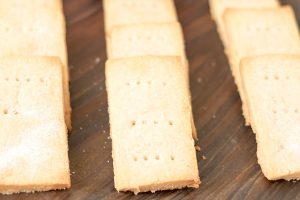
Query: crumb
(100, 110)
(204, 157)
(214, 116)
(104, 131)
(103, 147)
(213, 63)
(197, 148)
(87, 115)
(108, 138)
(83, 151)
(92, 67)
(73, 172)
(107, 161)
(199, 80)
(80, 128)
(97, 60)
(294, 181)
(105, 142)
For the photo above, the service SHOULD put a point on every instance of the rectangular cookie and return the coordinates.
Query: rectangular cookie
(33, 134)
(272, 88)
(161, 39)
(36, 28)
(218, 7)
(150, 117)
(253, 32)
(125, 12)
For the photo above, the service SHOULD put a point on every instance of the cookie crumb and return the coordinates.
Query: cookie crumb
(97, 60)
(199, 80)
(204, 157)
(213, 63)
(197, 148)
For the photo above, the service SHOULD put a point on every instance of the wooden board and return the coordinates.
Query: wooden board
(230, 170)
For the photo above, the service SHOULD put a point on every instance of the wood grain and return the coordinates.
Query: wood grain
(230, 170)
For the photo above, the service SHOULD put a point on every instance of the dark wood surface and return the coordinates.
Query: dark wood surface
(230, 170)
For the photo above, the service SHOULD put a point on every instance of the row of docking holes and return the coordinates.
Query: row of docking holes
(6, 112)
(156, 157)
(287, 111)
(276, 77)
(265, 29)
(160, 38)
(132, 83)
(155, 122)
(42, 80)
(22, 29)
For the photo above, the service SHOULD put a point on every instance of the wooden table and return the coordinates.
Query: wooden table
(230, 170)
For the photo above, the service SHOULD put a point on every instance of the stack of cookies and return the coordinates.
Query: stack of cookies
(34, 104)
(152, 127)
(262, 42)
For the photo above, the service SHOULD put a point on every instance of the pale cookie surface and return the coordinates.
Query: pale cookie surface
(218, 7)
(147, 39)
(33, 138)
(150, 117)
(272, 88)
(124, 12)
(254, 32)
(35, 28)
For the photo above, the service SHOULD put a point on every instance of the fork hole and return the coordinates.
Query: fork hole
(133, 123)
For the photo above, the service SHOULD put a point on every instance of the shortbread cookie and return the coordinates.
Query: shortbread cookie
(254, 32)
(35, 28)
(150, 118)
(272, 88)
(218, 7)
(33, 134)
(124, 12)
